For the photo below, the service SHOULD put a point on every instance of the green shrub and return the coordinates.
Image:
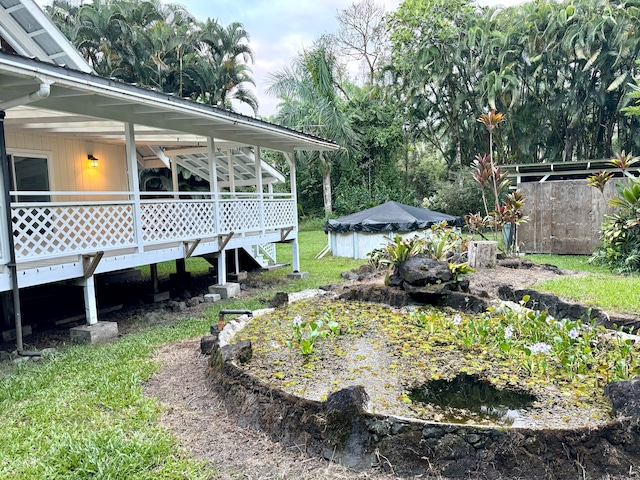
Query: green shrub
(620, 245)
(459, 196)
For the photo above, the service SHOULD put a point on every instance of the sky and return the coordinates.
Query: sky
(279, 29)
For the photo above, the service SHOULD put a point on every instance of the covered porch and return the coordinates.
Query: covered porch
(93, 219)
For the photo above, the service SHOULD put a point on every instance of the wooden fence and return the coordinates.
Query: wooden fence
(564, 216)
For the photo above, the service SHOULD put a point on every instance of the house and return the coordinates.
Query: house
(72, 144)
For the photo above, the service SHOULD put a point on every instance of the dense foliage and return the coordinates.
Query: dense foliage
(558, 70)
(161, 46)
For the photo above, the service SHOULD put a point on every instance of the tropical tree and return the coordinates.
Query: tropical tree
(313, 100)
(161, 46)
(362, 36)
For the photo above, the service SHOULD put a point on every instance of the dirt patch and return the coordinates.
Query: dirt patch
(197, 417)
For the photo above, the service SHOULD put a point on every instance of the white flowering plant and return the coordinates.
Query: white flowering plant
(542, 345)
(305, 333)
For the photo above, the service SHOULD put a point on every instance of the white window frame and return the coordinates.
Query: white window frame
(22, 152)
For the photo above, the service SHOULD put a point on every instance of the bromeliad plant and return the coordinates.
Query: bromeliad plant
(441, 242)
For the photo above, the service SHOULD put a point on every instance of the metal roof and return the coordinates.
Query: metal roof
(26, 28)
(541, 172)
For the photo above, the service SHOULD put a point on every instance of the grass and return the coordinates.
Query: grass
(600, 288)
(81, 413)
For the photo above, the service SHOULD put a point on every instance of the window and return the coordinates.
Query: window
(30, 173)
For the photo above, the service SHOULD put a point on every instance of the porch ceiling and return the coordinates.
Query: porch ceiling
(95, 108)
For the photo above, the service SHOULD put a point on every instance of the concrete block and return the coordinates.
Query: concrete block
(156, 297)
(482, 254)
(10, 335)
(298, 275)
(228, 290)
(238, 277)
(98, 332)
(212, 297)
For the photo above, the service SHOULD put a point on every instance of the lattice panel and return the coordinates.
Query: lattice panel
(163, 221)
(51, 231)
(239, 215)
(268, 250)
(279, 213)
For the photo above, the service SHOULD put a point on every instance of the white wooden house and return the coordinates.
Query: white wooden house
(72, 144)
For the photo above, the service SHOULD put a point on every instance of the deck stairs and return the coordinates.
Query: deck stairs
(255, 257)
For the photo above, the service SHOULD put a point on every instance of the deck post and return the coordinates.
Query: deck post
(134, 183)
(222, 268)
(295, 253)
(213, 182)
(174, 178)
(232, 172)
(260, 186)
(90, 304)
(6, 205)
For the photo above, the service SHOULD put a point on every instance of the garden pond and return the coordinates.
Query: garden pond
(510, 366)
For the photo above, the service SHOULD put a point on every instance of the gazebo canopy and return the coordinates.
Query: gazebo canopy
(390, 216)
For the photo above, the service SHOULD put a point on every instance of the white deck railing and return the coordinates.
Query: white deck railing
(59, 228)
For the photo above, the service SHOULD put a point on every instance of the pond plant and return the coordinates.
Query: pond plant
(563, 363)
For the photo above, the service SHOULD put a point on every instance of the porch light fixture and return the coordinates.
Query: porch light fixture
(93, 161)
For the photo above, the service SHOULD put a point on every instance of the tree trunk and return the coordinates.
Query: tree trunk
(326, 191)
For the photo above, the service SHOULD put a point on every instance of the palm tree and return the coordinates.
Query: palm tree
(312, 100)
(162, 46)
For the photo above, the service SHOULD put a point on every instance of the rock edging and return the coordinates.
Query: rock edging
(342, 430)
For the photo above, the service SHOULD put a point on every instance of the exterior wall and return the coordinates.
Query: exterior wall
(358, 244)
(69, 168)
(564, 217)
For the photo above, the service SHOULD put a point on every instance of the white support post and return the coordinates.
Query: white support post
(134, 182)
(222, 268)
(259, 186)
(232, 172)
(213, 182)
(90, 304)
(175, 183)
(295, 253)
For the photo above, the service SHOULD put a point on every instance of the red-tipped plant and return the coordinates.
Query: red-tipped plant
(491, 121)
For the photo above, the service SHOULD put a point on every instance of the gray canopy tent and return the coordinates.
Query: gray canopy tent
(358, 234)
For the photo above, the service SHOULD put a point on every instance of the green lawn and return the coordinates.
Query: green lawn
(601, 288)
(81, 413)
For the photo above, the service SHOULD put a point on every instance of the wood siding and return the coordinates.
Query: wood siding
(564, 217)
(69, 167)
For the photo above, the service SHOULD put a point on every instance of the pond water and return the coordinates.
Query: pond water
(466, 398)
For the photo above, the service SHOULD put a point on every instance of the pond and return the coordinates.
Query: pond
(467, 399)
(314, 347)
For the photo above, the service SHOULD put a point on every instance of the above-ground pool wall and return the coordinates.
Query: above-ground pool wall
(358, 244)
